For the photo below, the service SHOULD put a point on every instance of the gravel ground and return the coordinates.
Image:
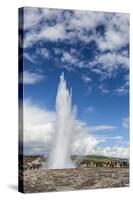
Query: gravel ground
(47, 180)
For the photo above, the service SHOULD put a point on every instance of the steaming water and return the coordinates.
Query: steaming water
(61, 152)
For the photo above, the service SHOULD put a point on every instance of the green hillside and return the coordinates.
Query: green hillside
(99, 157)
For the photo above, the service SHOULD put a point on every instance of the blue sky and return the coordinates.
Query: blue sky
(92, 49)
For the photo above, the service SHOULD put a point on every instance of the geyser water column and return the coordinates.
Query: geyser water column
(60, 156)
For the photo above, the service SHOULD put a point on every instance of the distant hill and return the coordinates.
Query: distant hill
(96, 157)
(77, 157)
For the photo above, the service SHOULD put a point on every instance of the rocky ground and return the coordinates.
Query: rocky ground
(47, 180)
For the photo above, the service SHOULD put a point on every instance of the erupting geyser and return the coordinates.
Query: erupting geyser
(60, 156)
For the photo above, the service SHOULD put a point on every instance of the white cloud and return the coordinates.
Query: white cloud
(117, 138)
(102, 128)
(53, 33)
(111, 61)
(69, 58)
(121, 91)
(44, 52)
(75, 24)
(39, 127)
(32, 17)
(85, 20)
(31, 77)
(84, 142)
(86, 78)
(38, 28)
(117, 32)
(39, 130)
(103, 90)
(30, 57)
(125, 122)
(30, 39)
(112, 40)
(114, 151)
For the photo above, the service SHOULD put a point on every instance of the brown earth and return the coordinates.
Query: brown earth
(47, 180)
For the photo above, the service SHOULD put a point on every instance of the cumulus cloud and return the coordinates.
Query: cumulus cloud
(115, 151)
(111, 61)
(84, 142)
(32, 17)
(109, 33)
(53, 33)
(62, 24)
(39, 128)
(31, 77)
(115, 36)
(69, 58)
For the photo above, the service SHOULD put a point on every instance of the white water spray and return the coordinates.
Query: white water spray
(60, 156)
